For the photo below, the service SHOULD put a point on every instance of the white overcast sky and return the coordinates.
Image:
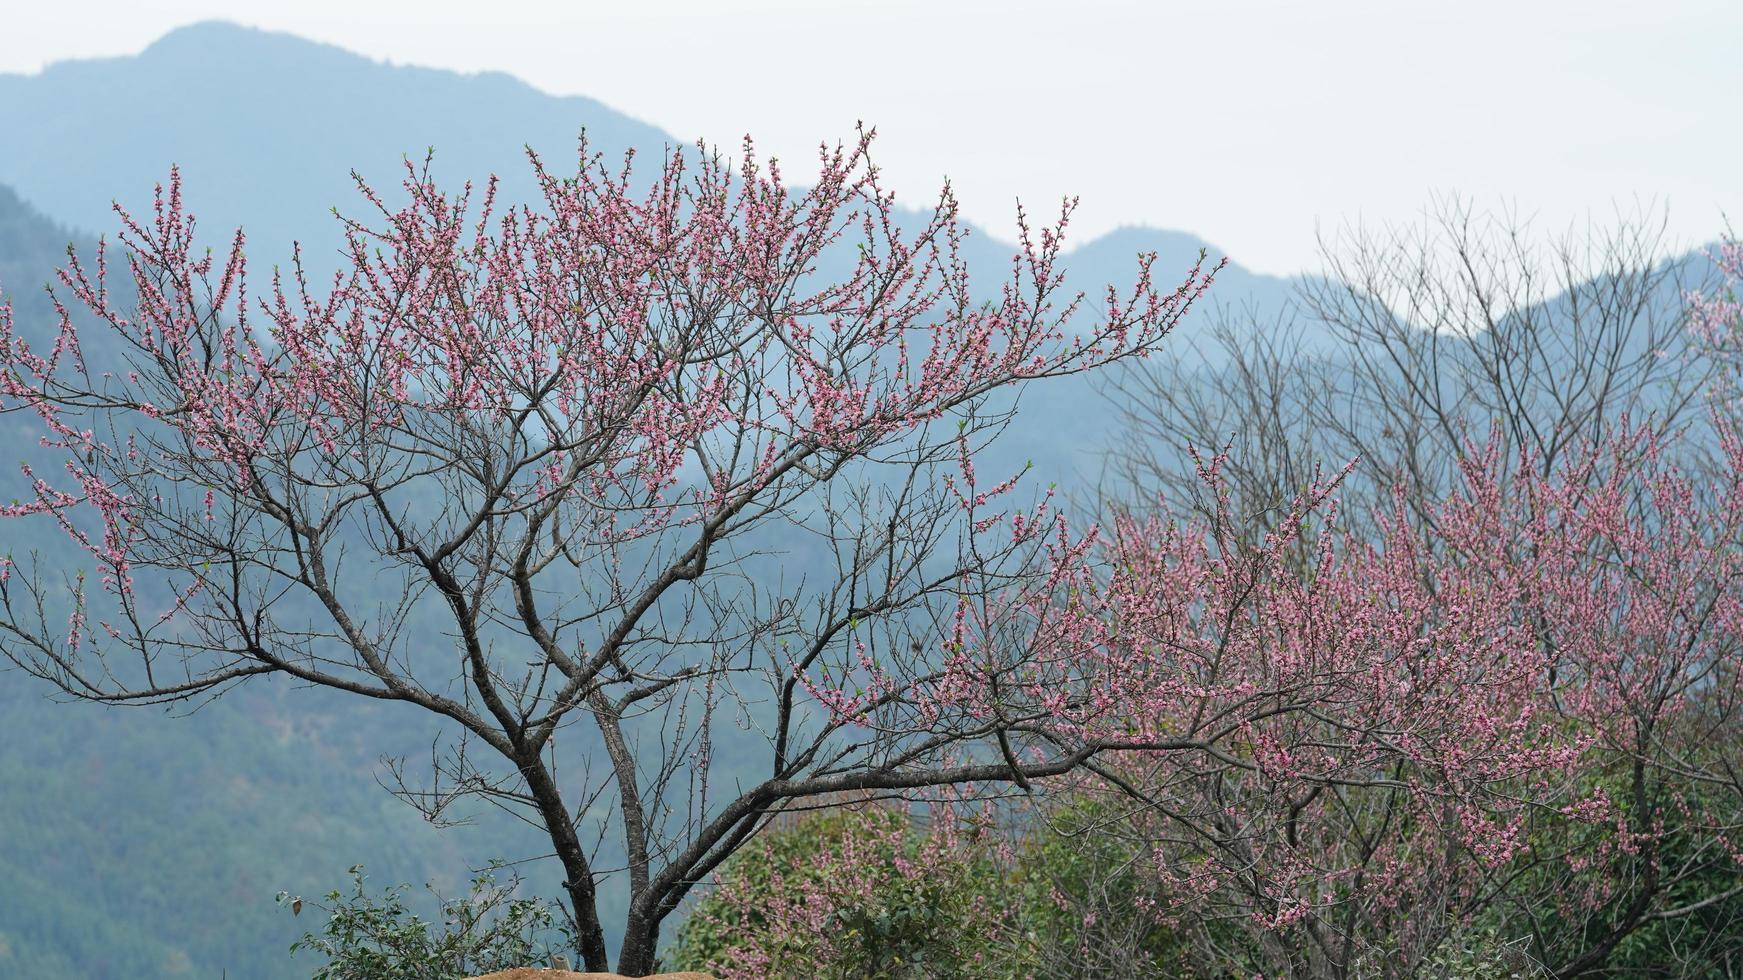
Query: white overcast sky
(1249, 123)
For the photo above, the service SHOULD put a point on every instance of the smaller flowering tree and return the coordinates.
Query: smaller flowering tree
(1607, 547)
(1533, 706)
(1362, 719)
(1630, 571)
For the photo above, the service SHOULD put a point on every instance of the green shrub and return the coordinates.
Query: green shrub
(851, 893)
(870, 893)
(378, 938)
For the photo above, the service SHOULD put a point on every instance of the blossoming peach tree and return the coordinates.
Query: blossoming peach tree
(686, 461)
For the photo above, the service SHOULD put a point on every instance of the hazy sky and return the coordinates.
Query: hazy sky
(1249, 123)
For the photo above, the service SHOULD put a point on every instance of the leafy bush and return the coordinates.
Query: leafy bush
(1482, 954)
(872, 892)
(370, 938)
(852, 893)
(1084, 903)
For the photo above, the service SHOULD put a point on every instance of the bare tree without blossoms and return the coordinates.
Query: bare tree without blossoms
(538, 467)
(1414, 341)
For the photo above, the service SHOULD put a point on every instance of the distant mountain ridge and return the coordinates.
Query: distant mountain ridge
(32, 246)
(267, 127)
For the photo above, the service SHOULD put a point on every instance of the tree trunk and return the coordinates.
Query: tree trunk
(577, 872)
(636, 958)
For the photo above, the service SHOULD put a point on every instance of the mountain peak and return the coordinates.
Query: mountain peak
(207, 31)
(227, 43)
(267, 128)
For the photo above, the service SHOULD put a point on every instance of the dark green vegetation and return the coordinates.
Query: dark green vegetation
(1054, 902)
(1051, 905)
(1062, 904)
(360, 935)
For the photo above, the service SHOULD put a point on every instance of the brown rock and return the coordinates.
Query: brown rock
(539, 973)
